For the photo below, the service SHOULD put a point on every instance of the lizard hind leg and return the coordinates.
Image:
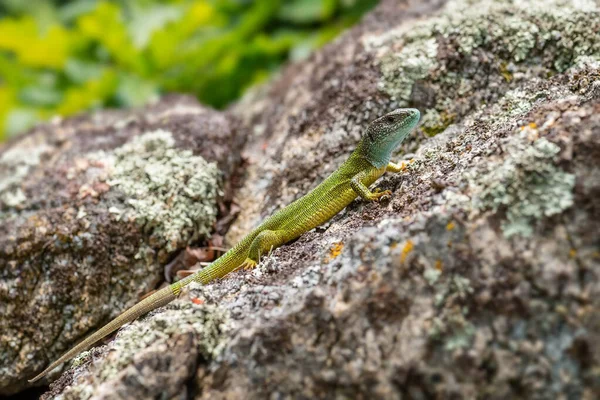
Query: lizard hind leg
(261, 245)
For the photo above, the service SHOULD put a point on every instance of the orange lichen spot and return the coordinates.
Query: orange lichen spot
(450, 226)
(521, 128)
(572, 253)
(532, 125)
(408, 247)
(439, 265)
(196, 300)
(336, 250)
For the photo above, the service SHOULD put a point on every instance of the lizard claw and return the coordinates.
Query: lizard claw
(386, 196)
(248, 265)
(379, 194)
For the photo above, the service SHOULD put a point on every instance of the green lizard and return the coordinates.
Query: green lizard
(366, 164)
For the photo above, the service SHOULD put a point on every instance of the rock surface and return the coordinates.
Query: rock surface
(91, 209)
(479, 279)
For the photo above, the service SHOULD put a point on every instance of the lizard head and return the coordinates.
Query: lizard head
(386, 133)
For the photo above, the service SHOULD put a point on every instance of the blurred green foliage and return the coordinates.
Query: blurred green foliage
(63, 57)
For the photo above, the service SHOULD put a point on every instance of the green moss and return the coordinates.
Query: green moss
(526, 185)
(171, 193)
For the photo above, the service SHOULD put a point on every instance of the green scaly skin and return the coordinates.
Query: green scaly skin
(364, 166)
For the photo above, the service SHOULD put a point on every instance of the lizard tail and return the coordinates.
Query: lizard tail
(158, 299)
(219, 268)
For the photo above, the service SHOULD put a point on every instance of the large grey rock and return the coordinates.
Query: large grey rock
(91, 209)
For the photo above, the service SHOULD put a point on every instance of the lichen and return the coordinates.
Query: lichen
(460, 333)
(526, 184)
(434, 122)
(13, 198)
(171, 193)
(491, 44)
(401, 70)
(207, 322)
(431, 275)
(268, 264)
(310, 277)
(451, 327)
(15, 164)
(516, 102)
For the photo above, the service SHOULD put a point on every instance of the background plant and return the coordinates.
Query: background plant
(63, 57)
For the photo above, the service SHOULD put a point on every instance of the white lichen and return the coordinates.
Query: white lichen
(507, 32)
(527, 185)
(431, 275)
(170, 192)
(15, 165)
(207, 323)
(401, 70)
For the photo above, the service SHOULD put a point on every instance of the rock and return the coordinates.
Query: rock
(91, 209)
(171, 341)
(479, 279)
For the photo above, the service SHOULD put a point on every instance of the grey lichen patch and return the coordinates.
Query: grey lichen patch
(431, 275)
(517, 102)
(15, 164)
(489, 44)
(401, 70)
(207, 323)
(451, 326)
(454, 330)
(171, 193)
(526, 184)
(309, 277)
(434, 122)
(13, 198)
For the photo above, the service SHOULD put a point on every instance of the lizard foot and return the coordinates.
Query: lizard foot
(378, 194)
(249, 264)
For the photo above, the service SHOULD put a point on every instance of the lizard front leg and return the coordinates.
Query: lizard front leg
(262, 244)
(363, 191)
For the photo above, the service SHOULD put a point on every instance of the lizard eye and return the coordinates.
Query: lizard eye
(389, 119)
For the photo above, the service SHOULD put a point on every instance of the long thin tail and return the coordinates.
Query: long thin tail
(158, 299)
(221, 267)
